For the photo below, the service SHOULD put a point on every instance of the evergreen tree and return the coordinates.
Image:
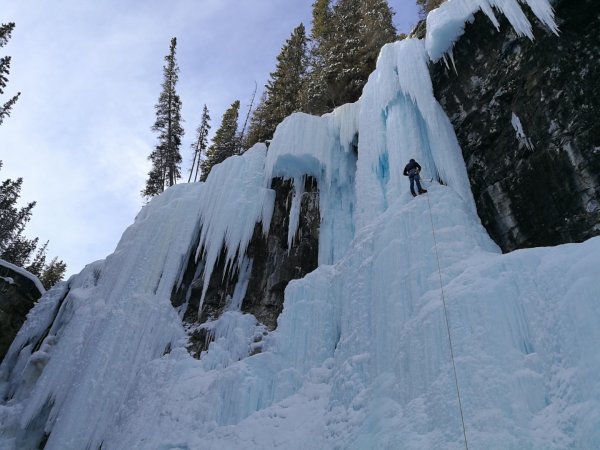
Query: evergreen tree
(166, 158)
(201, 143)
(13, 246)
(242, 138)
(257, 131)
(5, 32)
(16, 248)
(225, 141)
(342, 73)
(283, 89)
(321, 18)
(282, 94)
(313, 97)
(53, 273)
(38, 264)
(377, 30)
(344, 50)
(19, 250)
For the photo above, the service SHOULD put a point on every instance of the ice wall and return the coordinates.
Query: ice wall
(81, 348)
(400, 119)
(361, 360)
(320, 147)
(233, 201)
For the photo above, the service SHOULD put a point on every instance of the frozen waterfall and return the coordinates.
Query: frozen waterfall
(360, 358)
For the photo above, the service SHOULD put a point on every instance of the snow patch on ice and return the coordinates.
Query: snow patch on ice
(234, 336)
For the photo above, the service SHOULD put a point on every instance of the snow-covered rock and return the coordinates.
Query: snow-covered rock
(19, 290)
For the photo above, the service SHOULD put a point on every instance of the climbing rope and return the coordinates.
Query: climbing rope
(462, 418)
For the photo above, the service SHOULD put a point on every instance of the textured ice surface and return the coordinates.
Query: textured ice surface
(106, 323)
(360, 358)
(232, 202)
(320, 147)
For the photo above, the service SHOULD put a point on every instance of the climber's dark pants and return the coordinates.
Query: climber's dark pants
(412, 179)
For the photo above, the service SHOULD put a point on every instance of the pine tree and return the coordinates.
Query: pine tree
(321, 17)
(225, 141)
(166, 158)
(201, 143)
(5, 32)
(257, 131)
(16, 248)
(13, 246)
(242, 138)
(284, 87)
(313, 97)
(19, 250)
(38, 264)
(344, 50)
(377, 30)
(53, 273)
(342, 76)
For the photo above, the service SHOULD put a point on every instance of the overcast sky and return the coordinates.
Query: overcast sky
(90, 75)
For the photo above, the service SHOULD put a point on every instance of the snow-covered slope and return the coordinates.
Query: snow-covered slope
(361, 357)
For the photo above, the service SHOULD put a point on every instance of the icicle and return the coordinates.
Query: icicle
(242, 284)
(320, 147)
(520, 133)
(489, 12)
(294, 218)
(451, 56)
(234, 201)
(543, 10)
(446, 23)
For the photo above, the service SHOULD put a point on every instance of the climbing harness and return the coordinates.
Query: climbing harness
(462, 418)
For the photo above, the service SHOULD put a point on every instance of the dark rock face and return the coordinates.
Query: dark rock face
(541, 186)
(273, 267)
(17, 296)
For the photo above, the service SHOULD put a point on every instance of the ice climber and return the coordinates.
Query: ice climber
(412, 170)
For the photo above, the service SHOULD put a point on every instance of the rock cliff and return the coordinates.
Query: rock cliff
(526, 116)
